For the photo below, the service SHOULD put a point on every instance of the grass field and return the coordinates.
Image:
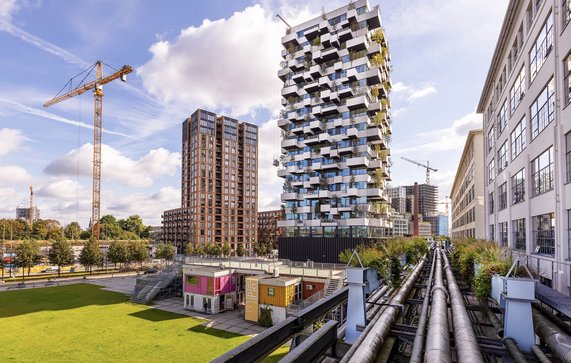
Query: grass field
(82, 323)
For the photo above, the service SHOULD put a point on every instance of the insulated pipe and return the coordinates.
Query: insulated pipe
(509, 343)
(553, 336)
(467, 348)
(370, 308)
(418, 346)
(554, 319)
(438, 338)
(539, 354)
(371, 340)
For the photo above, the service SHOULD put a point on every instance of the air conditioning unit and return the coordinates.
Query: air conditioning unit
(309, 287)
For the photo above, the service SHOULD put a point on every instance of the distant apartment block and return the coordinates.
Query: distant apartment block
(427, 199)
(439, 225)
(268, 230)
(400, 225)
(467, 192)
(335, 133)
(527, 135)
(397, 197)
(24, 213)
(219, 184)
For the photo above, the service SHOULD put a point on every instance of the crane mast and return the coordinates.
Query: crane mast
(97, 86)
(426, 166)
(31, 213)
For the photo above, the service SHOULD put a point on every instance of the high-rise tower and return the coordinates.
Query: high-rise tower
(336, 129)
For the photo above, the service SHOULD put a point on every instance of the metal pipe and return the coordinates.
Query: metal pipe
(555, 320)
(438, 338)
(369, 343)
(539, 354)
(418, 346)
(508, 342)
(370, 308)
(467, 348)
(553, 336)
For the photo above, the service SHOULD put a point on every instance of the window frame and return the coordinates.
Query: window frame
(517, 92)
(518, 138)
(518, 187)
(542, 236)
(517, 234)
(539, 171)
(541, 48)
(542, 116)
(503, 196)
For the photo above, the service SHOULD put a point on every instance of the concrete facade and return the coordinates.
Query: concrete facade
(527, 141)
(336, 124)
(468, 188)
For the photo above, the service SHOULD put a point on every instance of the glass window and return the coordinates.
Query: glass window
(491, 139)
(192, 280)
(503, 196)
(271, 291)
(491, 203)
(566, 74)
(568, 157)
(542, 109)
(503, 229)
(492, 233)
(518, 138)
(518, 230)
(503, 156)
(518, 187)
(544, 233)
(566, 12)
(518, 90)
(502, 118)
(542, 172)
(491, 171)
(541, 48)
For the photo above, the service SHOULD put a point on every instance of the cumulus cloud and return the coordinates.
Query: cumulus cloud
(66, 189)
(269, 183)
(10, 140)
(13, 174)
(412, 93)
(116, 166)
(149, 208)
(450, 138)
(227, 64)
(7, 7)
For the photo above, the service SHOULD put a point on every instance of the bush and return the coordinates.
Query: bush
(265, 318)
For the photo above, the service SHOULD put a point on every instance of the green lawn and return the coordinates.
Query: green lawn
(82, 323)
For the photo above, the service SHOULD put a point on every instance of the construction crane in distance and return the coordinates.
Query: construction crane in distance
(31, 213)
(426, 166)
(97, 87)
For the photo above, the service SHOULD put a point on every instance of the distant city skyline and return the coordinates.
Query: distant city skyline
(437, 81)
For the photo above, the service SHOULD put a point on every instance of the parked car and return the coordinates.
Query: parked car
(150, 271)
(50, 270)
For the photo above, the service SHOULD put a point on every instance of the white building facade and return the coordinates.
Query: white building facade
(527, 143)
(467, 194)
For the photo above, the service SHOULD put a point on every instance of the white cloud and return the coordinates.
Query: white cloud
(65, 189)
(451, 138)
(9, 105)
(116, 166)
(13, 175)
(10, 140)
(422, 92)
(269, 186)
(410, 92)
(7, 7)
(228, 64)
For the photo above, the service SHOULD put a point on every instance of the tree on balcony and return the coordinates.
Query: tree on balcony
(378, 37)
(375, 92)
(377, 60)
(316, 41)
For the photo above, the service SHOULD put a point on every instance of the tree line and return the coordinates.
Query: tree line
(60, 254)
(219, 250)
(111, 228)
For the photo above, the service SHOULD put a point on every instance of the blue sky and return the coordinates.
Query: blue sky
(218, 55)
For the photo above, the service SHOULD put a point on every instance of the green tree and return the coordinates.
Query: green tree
(27, 255)
(60, 254)
(55, 234)
(2, 265)
(138, 251)
(39, 230)
(91, 255)
(189, 250)
(226, 249)
(85, 234)
(118, 252)
(240, 251)
(73, 231)
(165, 251)
(132, 224)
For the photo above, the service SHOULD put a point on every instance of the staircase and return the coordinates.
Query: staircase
(148, 287)
(333, 284)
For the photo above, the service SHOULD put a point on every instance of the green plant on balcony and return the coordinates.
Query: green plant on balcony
(291, 99)
(294, 208)
(336, 200)
(378, 37)
(378, 119)
(323, 182)
(375, 92)
(352, 181)
(287, 186)
(378, 177)
(383, 154)
(316, 41)
(377, 60)
(316, 149)
(291, 50)
(288, 31)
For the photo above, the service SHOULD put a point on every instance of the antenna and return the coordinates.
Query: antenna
(282, 19)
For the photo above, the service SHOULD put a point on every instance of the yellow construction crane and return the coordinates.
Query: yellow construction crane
(97, 87)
